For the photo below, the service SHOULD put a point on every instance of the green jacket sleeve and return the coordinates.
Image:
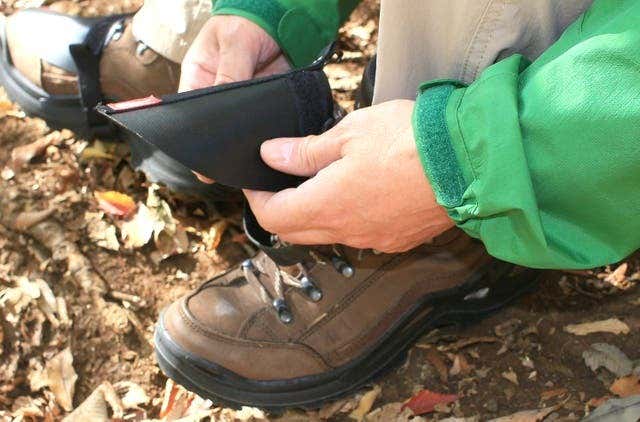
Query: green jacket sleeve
(541, 161)
(302, 28)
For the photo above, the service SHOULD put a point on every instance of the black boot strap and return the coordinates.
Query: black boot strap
(86, 56)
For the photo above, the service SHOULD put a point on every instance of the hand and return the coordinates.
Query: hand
(367, 187)
(229, 49)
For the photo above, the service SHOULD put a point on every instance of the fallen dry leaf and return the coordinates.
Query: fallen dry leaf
(617, 410)
(61, 378)
(511, 376)
(526, 416)
(608, 356)
(612, 325)
(391, 412)
(25, 153)
(27, 408)
(183, 405)
(426, 401)
(155, 219)
(460, 366)
(99, 150)
(626, 386)
(507, 328)
(5, 107)
(116, 203)
(28, 219)
(137, 232)
(133, 396)
(549, 394)
(15, 300)
(461, 344)
(346, 405)
(247, 413)
(618, 276)
(94, 407)
(436, 360)
(92, 153)
(7, 173)
(366, 403)
(171, 392)
(213, 236)
(100, 232)
(597, 401)
(168, 245)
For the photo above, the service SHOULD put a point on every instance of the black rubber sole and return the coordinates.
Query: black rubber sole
(452, 307)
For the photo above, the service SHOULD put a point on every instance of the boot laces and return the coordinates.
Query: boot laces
(281, 278)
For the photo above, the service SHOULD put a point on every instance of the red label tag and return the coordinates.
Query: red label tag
(133, 104)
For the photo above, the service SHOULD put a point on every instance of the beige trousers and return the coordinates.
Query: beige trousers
(170, 26)
(419, 40)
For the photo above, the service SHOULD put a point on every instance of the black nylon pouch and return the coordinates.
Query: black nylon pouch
(218, 131)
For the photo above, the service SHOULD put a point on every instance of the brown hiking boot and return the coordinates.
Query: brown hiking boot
(296, 326)
(62, 70)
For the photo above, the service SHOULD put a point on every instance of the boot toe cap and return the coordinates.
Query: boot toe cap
(253, 360)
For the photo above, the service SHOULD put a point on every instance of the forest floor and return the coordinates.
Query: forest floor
(78, 304)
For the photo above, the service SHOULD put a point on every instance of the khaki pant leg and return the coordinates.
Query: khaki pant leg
(170, 26)
(421, 40)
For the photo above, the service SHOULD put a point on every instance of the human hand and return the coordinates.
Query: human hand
(229, 49)
(367, 187)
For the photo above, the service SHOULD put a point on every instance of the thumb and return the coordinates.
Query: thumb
(302, 156)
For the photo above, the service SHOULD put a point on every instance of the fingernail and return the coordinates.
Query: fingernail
(277, 152)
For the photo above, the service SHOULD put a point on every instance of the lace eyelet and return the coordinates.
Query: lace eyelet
(310, 289)
(141, 49)
(247, 264)
(284, 313)
(342, 267)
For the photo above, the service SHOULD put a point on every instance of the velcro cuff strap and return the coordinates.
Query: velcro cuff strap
(434, 145)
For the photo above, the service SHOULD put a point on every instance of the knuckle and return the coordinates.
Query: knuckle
(305, 156)
(225, 79)
(229, 27)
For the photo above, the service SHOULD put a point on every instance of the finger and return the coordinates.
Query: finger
(281, 212)
(308, 237)
(277, 66)
(235, 63)
(303, 156)
(203, 179)
(196, 76)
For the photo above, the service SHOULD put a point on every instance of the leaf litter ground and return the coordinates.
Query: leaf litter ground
(81, 287)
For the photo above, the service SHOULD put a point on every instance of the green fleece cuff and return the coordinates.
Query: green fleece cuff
(433, 141)
(293, 29)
